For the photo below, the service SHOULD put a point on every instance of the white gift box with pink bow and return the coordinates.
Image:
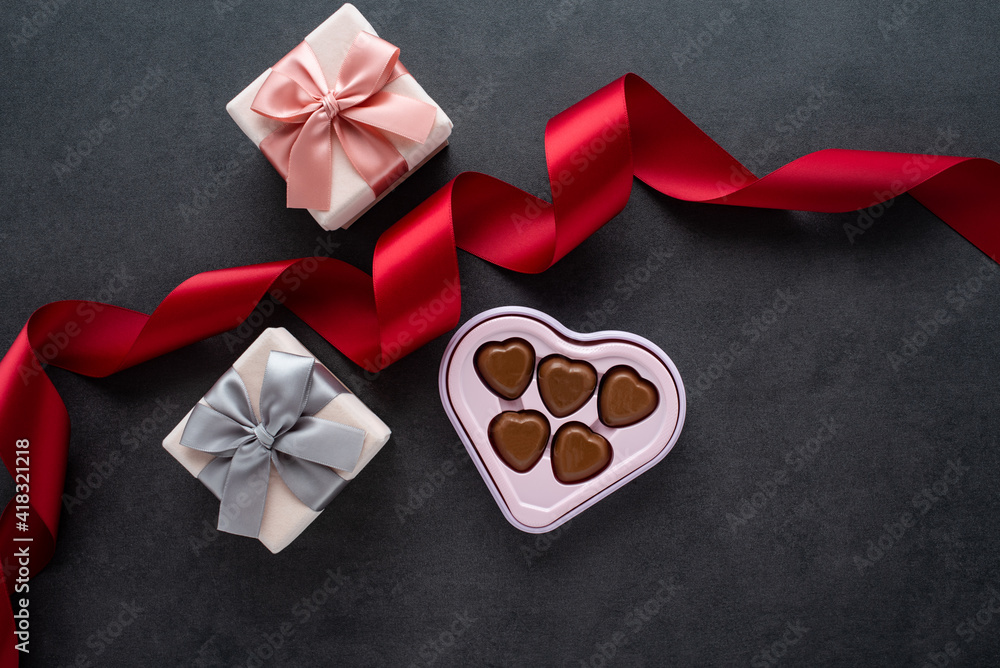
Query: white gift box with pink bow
(341, 119)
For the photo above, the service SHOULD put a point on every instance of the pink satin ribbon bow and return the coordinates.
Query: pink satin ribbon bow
(356, 109)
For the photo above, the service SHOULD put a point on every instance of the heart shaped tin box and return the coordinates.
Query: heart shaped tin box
(556, 420)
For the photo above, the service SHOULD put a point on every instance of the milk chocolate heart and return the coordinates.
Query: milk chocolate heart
(506, 367)
(565, 385)
(625, 397)
(519, 437)
(579, 454)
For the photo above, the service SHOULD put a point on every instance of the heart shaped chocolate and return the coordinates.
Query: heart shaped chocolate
(506, 367)
(625, 397)
(565, 385)
(579, 454)
(519, 437)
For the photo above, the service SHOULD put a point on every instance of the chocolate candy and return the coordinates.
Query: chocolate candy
(578, 454)
(565, 385)
(625, 398)
(519, 437)
(506, 367)
(557, 420)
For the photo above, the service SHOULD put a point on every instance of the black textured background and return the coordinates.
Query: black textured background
(657, 574)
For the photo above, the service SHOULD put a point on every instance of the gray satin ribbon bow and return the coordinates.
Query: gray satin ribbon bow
(301, 447)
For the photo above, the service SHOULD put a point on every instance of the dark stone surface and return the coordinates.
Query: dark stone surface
(894, 75)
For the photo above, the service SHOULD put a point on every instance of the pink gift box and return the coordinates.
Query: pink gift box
(351, 195)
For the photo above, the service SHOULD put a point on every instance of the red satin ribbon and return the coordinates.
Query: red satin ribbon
(593, 149)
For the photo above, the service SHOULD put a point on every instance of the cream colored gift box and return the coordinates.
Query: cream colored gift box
(351, 195)
(285, 516)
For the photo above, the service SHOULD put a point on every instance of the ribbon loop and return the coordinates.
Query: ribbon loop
(284, 390)
(303, 448)
(306, 441)
(355, 110)
(229, 397)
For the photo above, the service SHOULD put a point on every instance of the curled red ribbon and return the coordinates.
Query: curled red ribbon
(593, 149)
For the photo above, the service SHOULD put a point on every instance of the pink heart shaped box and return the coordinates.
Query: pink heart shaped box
(535, 501)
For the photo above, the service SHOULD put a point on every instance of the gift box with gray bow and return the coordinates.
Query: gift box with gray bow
(275, 440)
